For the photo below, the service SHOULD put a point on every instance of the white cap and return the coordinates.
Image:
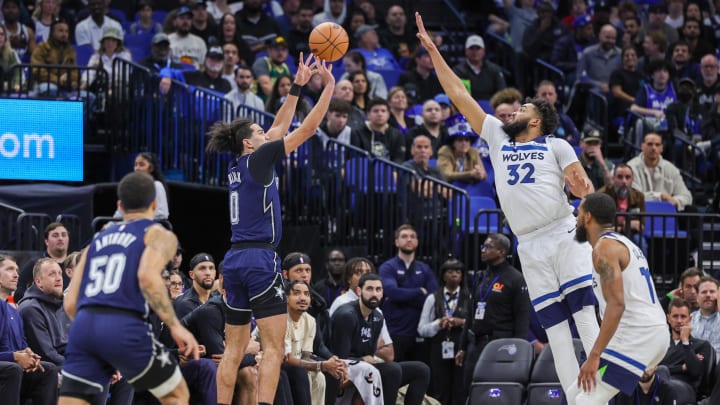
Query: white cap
(474, 40)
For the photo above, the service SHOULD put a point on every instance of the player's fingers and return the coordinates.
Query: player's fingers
(419, 22)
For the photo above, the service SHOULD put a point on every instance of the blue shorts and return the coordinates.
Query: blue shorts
(104, 340)
(253, 284)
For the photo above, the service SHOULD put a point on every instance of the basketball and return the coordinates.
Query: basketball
(329, 41)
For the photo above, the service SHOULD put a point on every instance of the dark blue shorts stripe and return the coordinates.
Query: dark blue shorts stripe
(625, 358)
(545, 297)
(553, 314)
(582, 297)
(619, 377)
(575, 281)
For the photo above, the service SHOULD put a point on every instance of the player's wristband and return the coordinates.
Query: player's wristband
(318, 367)
(295, 90)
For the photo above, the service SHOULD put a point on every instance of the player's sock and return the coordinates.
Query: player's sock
(587, 327)
(566, 364)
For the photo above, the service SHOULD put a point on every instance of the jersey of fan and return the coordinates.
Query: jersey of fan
(113, 258)
(529, 177)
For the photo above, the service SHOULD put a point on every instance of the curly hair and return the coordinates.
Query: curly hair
(508, 95)
(547, 114)
(228, 137)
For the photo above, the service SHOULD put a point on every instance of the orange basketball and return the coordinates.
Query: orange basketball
(329, 41)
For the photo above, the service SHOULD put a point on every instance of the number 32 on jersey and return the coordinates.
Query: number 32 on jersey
(522, 173)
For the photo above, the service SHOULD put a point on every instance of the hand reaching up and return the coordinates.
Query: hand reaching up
(305, 70)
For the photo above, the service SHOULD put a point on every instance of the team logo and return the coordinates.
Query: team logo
(511, 349)
(497, 287)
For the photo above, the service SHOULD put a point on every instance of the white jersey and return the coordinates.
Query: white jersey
(642, 306)
(529, 177)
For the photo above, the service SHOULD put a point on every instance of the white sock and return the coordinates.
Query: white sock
(566, 364)
(587, 326)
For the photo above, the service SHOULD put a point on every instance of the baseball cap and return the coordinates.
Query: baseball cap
(200, 258)
(112, 32)
(160, 37)
(591, 134)
(474, 40)
(363, 29)
(581, 21)
(442, 98)
(276, 42)
(215, 52)
(182, 11)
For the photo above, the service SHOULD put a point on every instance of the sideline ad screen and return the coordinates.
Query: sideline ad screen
(41, 140)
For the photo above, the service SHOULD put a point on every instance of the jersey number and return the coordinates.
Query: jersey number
(648, 278)
(105, 274)
(234, 208)
(527, 168)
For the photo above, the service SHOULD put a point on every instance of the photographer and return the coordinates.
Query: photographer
(598, 169)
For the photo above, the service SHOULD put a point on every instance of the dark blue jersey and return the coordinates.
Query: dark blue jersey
(110, 278)
(254, 196)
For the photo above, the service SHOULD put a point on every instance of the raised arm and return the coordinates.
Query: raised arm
(316, 115)
(451, 83)
(609, 258)
(284, 116)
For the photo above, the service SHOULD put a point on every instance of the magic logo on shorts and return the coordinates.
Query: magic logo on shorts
(41, 140)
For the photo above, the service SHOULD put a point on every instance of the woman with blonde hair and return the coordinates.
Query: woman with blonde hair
(8, 59)
(45, 13)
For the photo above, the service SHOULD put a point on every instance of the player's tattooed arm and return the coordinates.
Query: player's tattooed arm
(160, 246)
(604, 269)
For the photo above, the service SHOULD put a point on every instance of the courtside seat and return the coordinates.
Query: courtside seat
(502, 372)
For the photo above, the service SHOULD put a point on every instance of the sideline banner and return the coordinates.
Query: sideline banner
(41, 140)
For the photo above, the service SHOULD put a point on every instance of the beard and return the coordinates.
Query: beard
(206, 284)
(622, 192)
(646, 378)
(581, 234)
(514, 129)
(407, 251)
(371, 303)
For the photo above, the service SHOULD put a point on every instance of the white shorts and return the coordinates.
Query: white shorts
(630, 352)
(557, 270)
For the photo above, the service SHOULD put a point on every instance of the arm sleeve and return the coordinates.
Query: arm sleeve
(343, 327)
(564, 153)
(692, 363)
(309, 340)
(395, 292)
(37, 336)
(428, 325)
(261, 163)
(680, 190)
(319, 347)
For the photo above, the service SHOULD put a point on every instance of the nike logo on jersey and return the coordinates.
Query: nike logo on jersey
(569, 231)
